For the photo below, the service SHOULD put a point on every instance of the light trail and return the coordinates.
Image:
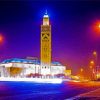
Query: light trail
(38, 80)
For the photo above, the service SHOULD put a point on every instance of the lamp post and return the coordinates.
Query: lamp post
(95, 61)
(81, 73)
(92, 69)
(96, 33)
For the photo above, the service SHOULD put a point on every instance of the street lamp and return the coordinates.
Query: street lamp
(95, 56)
(94, 53)
(1, 38)
(95, 59)
(92, 62)
(91, 67)
(96, 27)
(81, 69)
(99, 25)
(81, 74)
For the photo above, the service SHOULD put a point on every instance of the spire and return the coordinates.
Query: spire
(46, 14)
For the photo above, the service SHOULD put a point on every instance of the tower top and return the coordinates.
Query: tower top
(46, 14)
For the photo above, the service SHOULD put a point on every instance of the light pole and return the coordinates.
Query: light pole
(95, 61)
(96, 33)
(92, 69)
(81, 73)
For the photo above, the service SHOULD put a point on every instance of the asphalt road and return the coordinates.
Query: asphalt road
(37, 91)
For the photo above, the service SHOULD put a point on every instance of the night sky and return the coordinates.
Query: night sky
(73, 38)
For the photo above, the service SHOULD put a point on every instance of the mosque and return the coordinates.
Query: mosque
(31, 66)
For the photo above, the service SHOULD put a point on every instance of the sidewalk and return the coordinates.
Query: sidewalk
(92, 95)
(95, 93)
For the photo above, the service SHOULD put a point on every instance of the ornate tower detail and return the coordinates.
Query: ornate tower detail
(45, 45)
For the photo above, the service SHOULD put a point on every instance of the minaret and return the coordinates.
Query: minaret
(45, 45)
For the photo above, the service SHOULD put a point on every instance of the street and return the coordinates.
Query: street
(41, 91)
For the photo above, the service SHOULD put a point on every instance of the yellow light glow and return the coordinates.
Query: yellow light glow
(81, 69)
(91, 67)
(99, 25)
(1, 38)
(94, 53)
(98, 75)
(91, 62)
(76, 77)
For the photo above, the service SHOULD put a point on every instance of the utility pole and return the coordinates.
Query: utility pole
(95, 57)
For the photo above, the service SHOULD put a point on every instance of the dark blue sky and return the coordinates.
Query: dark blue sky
(72, 40)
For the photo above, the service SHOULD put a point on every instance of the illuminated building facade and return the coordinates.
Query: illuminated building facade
(16, 67)
(45, 46)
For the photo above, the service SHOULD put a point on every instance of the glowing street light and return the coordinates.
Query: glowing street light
(95, 56)
(81, 69)
(94, 53)
(91, 67)
(1, 38)
(92, 62)
(99, 26)
(96, 61)
(96, 27)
